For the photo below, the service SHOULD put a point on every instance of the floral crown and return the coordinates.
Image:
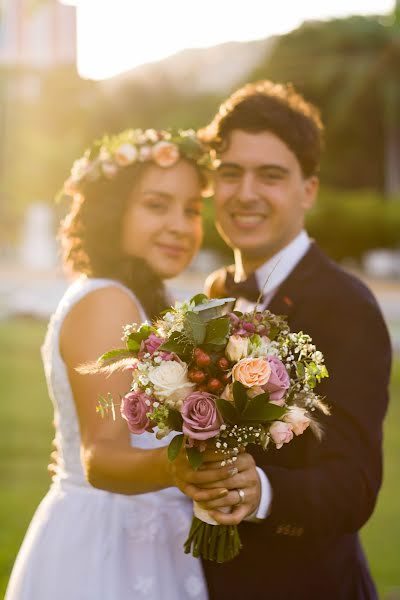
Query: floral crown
(109, 155)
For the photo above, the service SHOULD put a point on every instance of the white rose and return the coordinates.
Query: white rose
(297, 418)
(227, 394)
(145, 153)
(237, 348)
(170, 382)
(126, 155)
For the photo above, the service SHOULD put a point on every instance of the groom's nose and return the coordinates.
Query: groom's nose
(247, 189)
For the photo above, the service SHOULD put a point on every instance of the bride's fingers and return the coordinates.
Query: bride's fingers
(201, 495)
(231, 499)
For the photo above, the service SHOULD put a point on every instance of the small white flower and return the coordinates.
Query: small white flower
(126, 155)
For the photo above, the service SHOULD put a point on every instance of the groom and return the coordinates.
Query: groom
(306, 502)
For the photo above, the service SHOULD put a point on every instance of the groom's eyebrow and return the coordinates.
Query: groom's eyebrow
(262, 167)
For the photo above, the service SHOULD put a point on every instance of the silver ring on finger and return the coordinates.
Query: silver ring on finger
(241, 495)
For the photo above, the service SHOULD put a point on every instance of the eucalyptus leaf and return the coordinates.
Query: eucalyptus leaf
(195, 457)
(174, 447)
(300, 370)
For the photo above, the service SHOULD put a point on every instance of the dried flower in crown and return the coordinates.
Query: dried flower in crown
(109, 155)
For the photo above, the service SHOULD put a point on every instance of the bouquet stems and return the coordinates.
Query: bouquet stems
(219, 543)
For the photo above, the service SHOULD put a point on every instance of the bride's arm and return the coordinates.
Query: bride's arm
(93, 326)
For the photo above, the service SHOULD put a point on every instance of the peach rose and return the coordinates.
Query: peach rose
(252, 372)
(109, 169)
(165, 154)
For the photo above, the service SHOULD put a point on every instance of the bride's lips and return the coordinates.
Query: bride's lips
(172, 250)
(247, 220)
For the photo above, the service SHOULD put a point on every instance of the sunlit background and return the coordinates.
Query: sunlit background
(117, 35)
(71, 71)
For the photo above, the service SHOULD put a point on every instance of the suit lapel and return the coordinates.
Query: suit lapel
(290, 291)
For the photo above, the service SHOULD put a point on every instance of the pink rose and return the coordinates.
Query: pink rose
(279, 381)
(165, 154)
(201, 420)
(252, 372)
(297, 418)
(151, 344)
(134, 409)
(281, 433)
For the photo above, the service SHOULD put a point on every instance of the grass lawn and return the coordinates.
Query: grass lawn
(25, 444)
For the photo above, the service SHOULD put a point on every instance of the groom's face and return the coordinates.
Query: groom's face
(261, 195)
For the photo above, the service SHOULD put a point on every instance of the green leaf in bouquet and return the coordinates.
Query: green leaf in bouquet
(259, 409)
(136, 337)
(199, 299)
(300, 370)
(217, 331)
(174, 447)
(195, 457)
(175, 420)
(195, 328)
(239, 396)
(116, 354)
(273, 332)
(178, 343)
(227, 410)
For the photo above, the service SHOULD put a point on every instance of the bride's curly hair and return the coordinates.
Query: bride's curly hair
(90, 237)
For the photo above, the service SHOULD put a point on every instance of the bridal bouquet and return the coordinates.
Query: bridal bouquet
(220, 379)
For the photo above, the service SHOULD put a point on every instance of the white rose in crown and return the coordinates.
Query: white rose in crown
(237, 348)
(165, 154)
(171, 382)
(126, 155)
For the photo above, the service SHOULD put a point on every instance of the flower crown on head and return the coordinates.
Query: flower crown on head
(109, 155)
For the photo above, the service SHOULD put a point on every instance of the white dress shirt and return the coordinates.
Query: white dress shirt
(269, 277)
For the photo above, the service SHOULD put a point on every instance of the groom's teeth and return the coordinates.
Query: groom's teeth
(248, 219)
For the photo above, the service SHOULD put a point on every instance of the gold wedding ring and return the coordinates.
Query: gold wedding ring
(241, 495)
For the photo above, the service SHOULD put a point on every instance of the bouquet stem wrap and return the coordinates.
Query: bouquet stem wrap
(209, 539)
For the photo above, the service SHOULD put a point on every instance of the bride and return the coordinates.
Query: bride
(113, 522)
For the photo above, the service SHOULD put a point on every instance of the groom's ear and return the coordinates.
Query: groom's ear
(311, 187)
(214, 286)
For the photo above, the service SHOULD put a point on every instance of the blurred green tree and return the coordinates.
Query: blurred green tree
(351, 69)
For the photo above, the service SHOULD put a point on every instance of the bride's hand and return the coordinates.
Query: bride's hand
(201, 485)
(244, 492)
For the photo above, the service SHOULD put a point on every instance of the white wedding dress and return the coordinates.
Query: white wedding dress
(88, 544)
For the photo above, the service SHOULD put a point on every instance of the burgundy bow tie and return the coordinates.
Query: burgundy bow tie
(248, 288)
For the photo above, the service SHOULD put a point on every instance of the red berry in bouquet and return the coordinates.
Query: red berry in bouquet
(197, 376)
(215, 385)
(202, 358)
(223, 363)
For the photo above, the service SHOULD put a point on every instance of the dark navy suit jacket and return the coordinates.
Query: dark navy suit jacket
(323, 492)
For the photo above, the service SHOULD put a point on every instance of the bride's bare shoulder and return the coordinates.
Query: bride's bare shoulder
(95, 322)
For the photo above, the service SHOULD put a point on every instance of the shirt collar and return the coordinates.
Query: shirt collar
(274, 272)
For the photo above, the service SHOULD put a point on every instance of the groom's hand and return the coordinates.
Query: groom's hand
(241, 504)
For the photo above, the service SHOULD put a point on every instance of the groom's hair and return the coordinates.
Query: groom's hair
(274, 107)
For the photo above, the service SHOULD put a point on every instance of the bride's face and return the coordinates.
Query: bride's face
(163, 223)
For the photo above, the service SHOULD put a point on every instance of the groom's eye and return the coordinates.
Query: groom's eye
(228, 173)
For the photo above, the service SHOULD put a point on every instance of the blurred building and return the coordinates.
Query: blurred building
(37, 34)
